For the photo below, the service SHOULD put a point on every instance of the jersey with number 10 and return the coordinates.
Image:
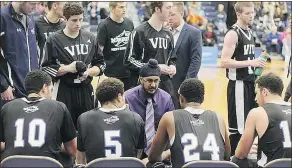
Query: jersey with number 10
(35, 127)
(244, 51)
(276, 141)
(197, 137)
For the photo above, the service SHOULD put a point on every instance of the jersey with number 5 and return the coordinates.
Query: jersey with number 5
(110, 134)
(35, 127)
(276, 141)
(245, 50)
(197, 137)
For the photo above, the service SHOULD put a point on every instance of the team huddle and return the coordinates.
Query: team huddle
(138, 111)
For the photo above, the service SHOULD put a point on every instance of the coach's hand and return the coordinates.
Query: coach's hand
(7, 94)
(259, 62)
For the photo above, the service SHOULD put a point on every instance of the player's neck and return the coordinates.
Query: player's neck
(34, 95)
(193, 105)
(242, 25)
(52, 17)
(109, 106)
(116, 19)
(70, 34)
(155, 22)
(275, 99)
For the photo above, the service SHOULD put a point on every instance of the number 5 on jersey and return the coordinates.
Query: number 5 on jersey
(112, 144)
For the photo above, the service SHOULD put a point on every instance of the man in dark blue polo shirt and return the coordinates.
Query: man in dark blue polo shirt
(148, 100)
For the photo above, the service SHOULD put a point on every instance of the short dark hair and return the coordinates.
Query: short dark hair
(193, 90)
(155, 4)
(109, 89)
(271, 82)
(71, 9)
(35, 80)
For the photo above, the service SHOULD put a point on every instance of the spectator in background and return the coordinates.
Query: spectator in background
(19, 46)
(268, 9)
(220, 21)
(279, 19)
(273, 42)
(195, 19)
(284, 9)
(199, 14)
(209, 37)
(286, 50)
(94, 13)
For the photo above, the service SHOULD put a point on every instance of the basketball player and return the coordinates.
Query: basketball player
(49, 23)
(113, 36)
(37, 125)
(239, 60)
(112, 130)
(271, 122)
(151, 40)
(193, 133)
(72, 56)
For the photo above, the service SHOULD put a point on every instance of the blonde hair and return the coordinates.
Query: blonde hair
(113, 4)
(239, 5)
(179, 5)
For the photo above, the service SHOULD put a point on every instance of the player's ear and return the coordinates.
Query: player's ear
(44, 88)
(140, 80)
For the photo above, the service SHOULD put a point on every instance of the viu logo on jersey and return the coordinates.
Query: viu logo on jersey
(79, 49)
(249, 49)
(159, 42)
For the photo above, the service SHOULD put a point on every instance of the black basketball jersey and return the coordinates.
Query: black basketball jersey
(146, 42)
(114, 37)
(244, 51)
(103, 134)
(61, 49)
(35, 127)
(43, 29)
(197, 137)
(276, 141)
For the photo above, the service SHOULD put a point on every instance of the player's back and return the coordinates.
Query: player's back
(33, 127)
(197, 137)
(276, 141)
(103, 134)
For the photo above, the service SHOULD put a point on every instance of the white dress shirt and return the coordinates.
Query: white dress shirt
(176, 32)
